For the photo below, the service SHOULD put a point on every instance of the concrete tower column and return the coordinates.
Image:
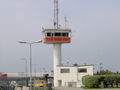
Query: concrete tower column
(56, 61)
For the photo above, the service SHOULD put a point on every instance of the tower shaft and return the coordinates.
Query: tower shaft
(56, 61)
(57, 54)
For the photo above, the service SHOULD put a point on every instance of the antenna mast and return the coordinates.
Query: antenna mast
(56, 18)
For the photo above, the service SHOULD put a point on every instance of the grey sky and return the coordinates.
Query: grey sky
(95, 28)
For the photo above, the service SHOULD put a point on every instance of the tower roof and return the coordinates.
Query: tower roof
(57, 30)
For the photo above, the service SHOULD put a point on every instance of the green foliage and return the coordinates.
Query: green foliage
(101, 81)
(105, 72)
(91, 81)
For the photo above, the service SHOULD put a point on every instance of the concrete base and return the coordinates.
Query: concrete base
(25, 88)
(18, 88)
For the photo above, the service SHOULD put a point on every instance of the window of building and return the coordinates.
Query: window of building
(58, 34)
(65, 34)
(82, 70)
(65, 70)
(48, 34)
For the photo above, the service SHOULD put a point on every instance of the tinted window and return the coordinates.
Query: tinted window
(48, 34)
(65, 34)
(82, 70)
(65, 70)
(57, 34)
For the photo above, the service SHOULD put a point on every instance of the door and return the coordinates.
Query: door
(59, 83)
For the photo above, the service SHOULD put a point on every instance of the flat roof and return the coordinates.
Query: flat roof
(74, 65)
(56, 30)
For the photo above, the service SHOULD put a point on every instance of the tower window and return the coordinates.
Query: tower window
(58, 34)
(48, 34)
(65, 34)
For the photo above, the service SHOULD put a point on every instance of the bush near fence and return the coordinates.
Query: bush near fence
(101, 81)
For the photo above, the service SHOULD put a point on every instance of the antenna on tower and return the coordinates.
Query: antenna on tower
(65, 18)
(56, 12)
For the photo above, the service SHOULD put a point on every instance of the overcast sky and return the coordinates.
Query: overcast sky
(95, 28)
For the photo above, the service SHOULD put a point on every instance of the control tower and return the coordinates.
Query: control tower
(56, 36)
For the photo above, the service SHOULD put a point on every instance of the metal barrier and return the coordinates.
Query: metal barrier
(48, 87)
(6, 88)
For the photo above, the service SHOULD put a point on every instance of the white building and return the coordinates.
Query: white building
(71, 76)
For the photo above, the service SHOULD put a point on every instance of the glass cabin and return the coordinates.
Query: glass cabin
(52, 36)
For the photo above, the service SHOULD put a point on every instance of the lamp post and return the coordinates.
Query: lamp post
(30, 45)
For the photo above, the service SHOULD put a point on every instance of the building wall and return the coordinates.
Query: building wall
(73, 78)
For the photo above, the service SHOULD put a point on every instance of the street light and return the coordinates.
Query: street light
(30, 45)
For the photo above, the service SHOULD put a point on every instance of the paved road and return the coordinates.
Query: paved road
(65, 88)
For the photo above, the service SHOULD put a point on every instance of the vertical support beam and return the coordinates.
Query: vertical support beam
(56, 61)
(30, 66)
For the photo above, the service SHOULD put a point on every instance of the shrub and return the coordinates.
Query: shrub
(91, 81)
(101, 81)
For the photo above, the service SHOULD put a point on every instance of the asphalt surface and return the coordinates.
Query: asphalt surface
(66, 88)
